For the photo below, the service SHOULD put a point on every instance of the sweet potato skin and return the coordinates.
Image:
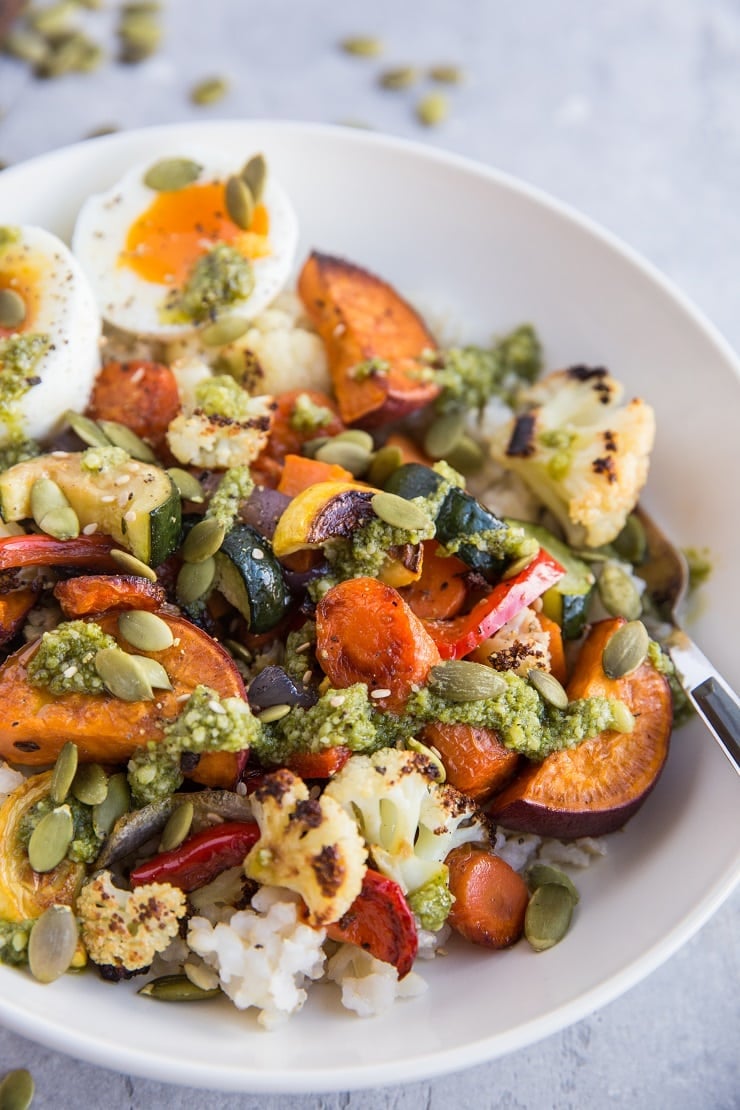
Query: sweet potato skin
(361, 317)
(36, 724)
(140, 394)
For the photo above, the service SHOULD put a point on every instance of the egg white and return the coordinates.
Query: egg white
(67, 314)
(133, 304)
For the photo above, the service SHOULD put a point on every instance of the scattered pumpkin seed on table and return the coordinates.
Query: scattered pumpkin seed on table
(209, 91)
(362, 46)
(432, 109)
(446, 74)
(17, 1089)
(400, 77)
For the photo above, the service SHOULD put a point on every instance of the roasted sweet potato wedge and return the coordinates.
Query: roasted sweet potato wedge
(360, 318)
(596, 787)
(13, 609)
(35, 724)
(142, 395)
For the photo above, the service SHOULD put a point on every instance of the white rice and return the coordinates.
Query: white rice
(370, 986)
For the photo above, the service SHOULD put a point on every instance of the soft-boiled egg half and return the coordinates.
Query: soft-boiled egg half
(49, 334)
(185, 241)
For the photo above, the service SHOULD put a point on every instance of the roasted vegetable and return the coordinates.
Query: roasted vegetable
(140, 394)
(374, 341)
(380, 922)
(300, 472)
(96, 593)
(14, 606)
(567, 601)
(251, 579)
(325, 511)
(476, 761)
(490, 897)
(200, 858)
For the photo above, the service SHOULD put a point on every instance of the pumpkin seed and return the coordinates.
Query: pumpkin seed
(17, 1090)
(548, 687)
(129, 564)
(203, 541)
(26, 45)
(274, 713)
(626, 650)
(12, 309)
(398, 512)
(539, 874)
(64, 772)
(170, 174)
(311, 446)
(631, 543)
(50, 839)
(177, 988)
(187, 485)
(239, 651)
(52, 944)
(121, 436)
(117, 802)
(140, 34)
(239, 202)
(362, 46)
(53, 19)
(400, 77)
(87, 430)
(444, 434)
(446, 74)
(619, 594)
(356, 435)
(384, 462)
(351, 456)
(45, 496)
(224, 331)
(62, 524)
(155, 673)
(123, 675)
(622, 716)
(415, 745)
(254, 176)
(177, 827)
(144, 630)
(548, 916)
(209, 91)
(90, 784)
(460, 681)
(432, 109)
(466, 456)
(195, 580)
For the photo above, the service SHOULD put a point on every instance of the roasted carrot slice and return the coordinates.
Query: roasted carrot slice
(594, 788)
(490, 897)
(286, 434)
(558, 666)
(380, 921)
(35, 723)
(475, 759)
(300, 472)
(365, 632)
(319, 765)
(95, 593)
(361, 318)
(13, 609)
(440, 592)
(140, 394)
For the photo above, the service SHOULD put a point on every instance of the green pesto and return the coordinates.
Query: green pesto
(432, 902)
(340, 718)
(683, 710)
(98, 460)
(85, 841)
(370, 368)
(218, 279)
(9, 236)
(235, 486)
(14, 942)
(18, 451)
(223, 396)
(19, 359)
(64, 662)
(507, 542)
(562, 443)
(469, 376)
(206, 723)
(699, 564)
(307, 417)
(296, 662)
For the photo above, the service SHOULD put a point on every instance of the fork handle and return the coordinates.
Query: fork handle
(712, 698)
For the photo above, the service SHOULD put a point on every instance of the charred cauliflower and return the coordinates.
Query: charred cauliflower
(410, 821)
(309, 845)
(581, 453)
(125, 929)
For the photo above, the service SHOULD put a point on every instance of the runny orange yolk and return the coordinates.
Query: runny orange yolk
(25, 280)
(177, 228)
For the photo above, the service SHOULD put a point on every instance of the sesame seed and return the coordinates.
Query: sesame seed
(107, 498)
(130, 516)
(122, 480)
(90, 529)
(257, 554)
(69, 671)
(216, 707)
(303, 648)
(123, 499)
(59, 454)
(241, 789)
(340, 329)
(182, 697)
(337, 700)
(137, 375)
(307, 677)
(380, 693)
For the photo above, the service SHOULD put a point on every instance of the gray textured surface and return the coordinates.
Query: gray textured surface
(628, 111)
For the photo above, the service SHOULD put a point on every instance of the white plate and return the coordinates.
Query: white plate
(486, 252)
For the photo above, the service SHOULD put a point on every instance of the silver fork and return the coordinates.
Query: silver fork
(665, 573)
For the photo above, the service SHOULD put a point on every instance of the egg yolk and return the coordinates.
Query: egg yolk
(25, 280)
(178, 228)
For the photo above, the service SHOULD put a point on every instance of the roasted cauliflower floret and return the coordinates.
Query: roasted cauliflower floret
(519, 645)
(223, 426)
(585, 456)
(126, 928)
(309, 845)
(410, 821)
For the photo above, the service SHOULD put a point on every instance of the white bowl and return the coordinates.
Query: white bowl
(485, 252)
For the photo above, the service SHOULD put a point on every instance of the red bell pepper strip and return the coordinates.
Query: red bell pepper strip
(201, 857)
(41, 551)
(459, 636)
(380, 921)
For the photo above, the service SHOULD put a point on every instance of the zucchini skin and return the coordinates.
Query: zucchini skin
(251, 578)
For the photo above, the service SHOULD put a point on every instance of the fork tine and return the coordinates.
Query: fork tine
(665, 571)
